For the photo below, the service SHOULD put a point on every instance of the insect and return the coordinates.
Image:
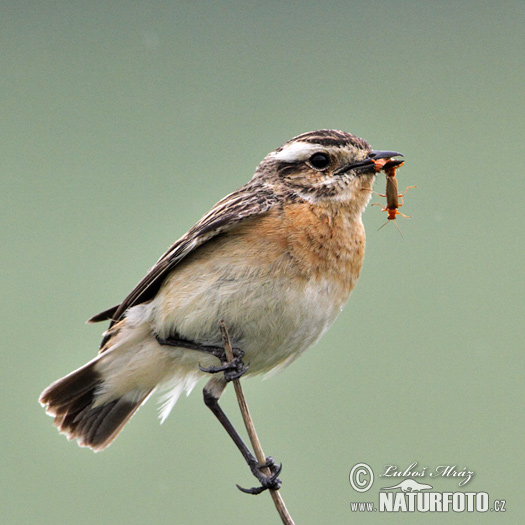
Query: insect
(394, 200)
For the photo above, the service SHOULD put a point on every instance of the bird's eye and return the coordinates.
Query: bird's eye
(320, 161)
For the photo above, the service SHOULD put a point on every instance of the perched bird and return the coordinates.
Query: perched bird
(276, 260)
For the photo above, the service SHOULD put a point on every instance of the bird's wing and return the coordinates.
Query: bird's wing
(248, 201)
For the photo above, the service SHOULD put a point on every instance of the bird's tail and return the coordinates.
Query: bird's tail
(93, 403)
(79, 413)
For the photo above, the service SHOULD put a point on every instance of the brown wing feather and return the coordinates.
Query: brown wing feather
(106, 315)
(246, 202)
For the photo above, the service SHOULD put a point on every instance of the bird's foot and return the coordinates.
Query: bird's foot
(232, 369)
(268, 481)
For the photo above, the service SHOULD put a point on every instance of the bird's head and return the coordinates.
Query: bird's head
(324, 166)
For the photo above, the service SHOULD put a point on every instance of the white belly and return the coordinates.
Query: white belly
(272, 321)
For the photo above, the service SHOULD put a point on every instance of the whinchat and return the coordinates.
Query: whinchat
(275, 260)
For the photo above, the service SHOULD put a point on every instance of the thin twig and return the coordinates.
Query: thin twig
(250, 428)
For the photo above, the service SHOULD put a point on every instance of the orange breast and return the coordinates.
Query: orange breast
(317, 242)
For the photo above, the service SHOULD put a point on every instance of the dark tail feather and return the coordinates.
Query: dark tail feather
(72, 401)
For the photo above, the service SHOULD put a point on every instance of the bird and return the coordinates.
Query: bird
(275, 261)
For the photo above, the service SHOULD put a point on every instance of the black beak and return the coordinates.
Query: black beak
(367, 165)
(384, 154)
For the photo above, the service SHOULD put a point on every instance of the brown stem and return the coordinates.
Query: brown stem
(250, 428)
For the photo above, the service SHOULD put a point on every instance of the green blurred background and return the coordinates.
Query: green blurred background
(123, 122)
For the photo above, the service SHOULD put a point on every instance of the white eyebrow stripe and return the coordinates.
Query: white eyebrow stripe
(297, 151)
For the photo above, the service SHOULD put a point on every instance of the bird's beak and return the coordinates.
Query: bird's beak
(374, 163)
(384, 154)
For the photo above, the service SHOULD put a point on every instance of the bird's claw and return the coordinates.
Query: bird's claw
(271, 481)
(232, 369)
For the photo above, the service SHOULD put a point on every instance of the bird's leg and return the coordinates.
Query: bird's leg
(232, 369)
(212, 392)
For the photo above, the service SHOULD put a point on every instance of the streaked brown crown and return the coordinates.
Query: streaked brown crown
(330, 137)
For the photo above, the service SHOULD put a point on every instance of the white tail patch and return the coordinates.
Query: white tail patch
(173, 389)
